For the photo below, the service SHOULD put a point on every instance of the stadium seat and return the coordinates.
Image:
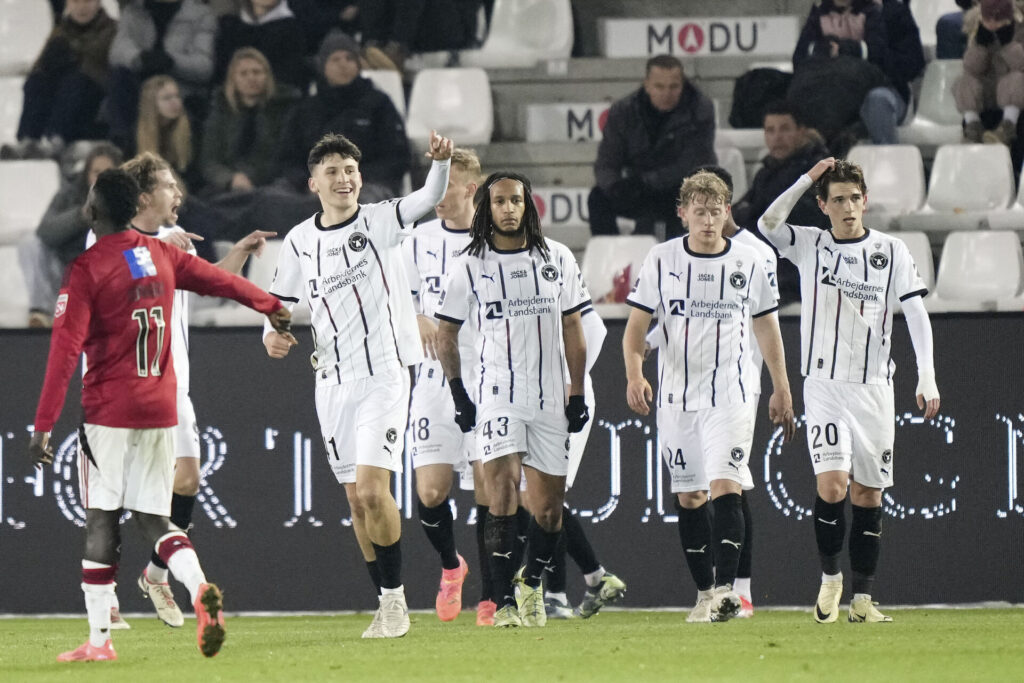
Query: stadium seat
(391, 83)
(112, 7)
(456, 103)
(926, 14)
(731, 159)
(612, 263)
(523, 33)
(921, 251)
(937, 121)
(26, 188)
(11, 96)
(14, 302)
(894, 175)
(980, 270)
(967, 182)
(1011, 218)
(24, 27)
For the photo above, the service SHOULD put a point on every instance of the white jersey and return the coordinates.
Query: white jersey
(179, 313)
(352, 278)
(704, 303)
(771, 266)
(517, 299)
(429, 256)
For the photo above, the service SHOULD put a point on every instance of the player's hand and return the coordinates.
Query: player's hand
(465, 410)
(180, 239)
(639, 395)
(780, 410)
(428, 335)
(819, 168)
(578, 413)
(278, 345)
(440, 147)
(39, 449)
(254, 242)
(927, 394)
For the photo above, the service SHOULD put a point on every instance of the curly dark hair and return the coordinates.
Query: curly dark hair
(482, 228)
(843, 172)
(118, 195)
(332, 143)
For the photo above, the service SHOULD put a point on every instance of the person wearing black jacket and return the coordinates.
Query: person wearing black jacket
(348, 104)
(653, 139)
(271, 27)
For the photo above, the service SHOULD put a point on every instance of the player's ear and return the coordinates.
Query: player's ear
(471, 189)
(311, 184)
(821, 205)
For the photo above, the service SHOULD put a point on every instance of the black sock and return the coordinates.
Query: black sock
(695, 535)
(543, 556)
(500, 539)
(728, 535)
(555, 580)
(522, 534)
(389, 561)
(743, 568)
(437, 523)
(181, 516)
(829, 529)
(865, 543)
(374, 570)
(483, 555)
(577, 545)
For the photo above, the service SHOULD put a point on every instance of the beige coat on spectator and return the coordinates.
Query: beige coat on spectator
(993, 74)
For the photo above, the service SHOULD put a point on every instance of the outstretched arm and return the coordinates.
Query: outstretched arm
(920, 328)
(252, 243)
(416, 205)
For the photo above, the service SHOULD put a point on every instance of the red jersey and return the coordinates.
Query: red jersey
(115, 304)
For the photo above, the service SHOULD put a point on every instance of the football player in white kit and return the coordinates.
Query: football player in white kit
(709, 293)
(158, 217)
(437, 446)
(851, 280)
(524, 295)
(345, 263)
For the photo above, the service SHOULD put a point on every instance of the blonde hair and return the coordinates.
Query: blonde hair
(171, 140)
(704, 184)
(468, 161)
(231, 92)
(144, 167)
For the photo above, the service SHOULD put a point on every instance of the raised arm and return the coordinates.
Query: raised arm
(638, 389)
(920, 328)
(416, 205)
(769, 340)
(252, 243)
(775, 215)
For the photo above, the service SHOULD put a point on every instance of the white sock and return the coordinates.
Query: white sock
(561, 597)
(1011, 114)
(593, 579)
(97, 606)
(971, 117)
(826, 578)
(742, 587)
(705, 595)
(184, 565)
(393, 591)
(865, 596)
(155, 574)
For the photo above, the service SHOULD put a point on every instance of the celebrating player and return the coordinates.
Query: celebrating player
(709, 292)
(345, 263)
(524, 294)
(851, 279)
(113, 306)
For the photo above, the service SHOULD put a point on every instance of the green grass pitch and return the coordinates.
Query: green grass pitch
(921, 645)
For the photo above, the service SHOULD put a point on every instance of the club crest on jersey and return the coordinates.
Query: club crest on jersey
(549, 272)
(140, 262)
(62, 305)
(878, 260)
(391, 435)
(887, 456)
(357, 241)
(736, 454)
(493, 310)
(738, 280)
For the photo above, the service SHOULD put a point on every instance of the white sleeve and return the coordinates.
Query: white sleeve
(412, 273)
(594, 332)
(574, 292)
(415, 206)
(763, 298)
(772, 222)
(454, 305)
(645, 294)
(920, 328)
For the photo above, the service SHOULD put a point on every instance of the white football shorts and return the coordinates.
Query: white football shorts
(433, 437)
(851, 428)
(578, 441)
(541, 436)
(131, 469)
(363, 422)
(186, 434)
(700, 446)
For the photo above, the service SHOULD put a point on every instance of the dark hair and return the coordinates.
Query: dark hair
(662, 62)
(119, 195)
(843, 172)
(482, 228)
(143, 168)
(330, 144)
(103, 149)
(783, 108)
(725, 176)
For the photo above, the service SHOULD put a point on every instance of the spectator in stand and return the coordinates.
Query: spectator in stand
(653, 139)
(348, 104)
(791, 145)
(271, 27)
(319, 17)
(154, 37)
(67, 83)
(880, 32)
(950, 40)
(401, 27)
(993, 76)
(60, 236)
(164, 129)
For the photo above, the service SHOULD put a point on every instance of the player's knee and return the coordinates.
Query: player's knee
(371, 497)
(831, 491)
(186, 485)
(691, 500)
(549, 516)
(431, 496)
(102, 537)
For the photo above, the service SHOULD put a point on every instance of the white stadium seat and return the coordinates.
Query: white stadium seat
(523, 33)
(921, 251)
(926, 14)
(731, 159)
(26, 189)
(113, 9)
(456, 103)
(24, 28)
(391, 83)
(11, 96)
(1011, 218)
(607, 258)
(894, 175)
(967, 182)
(937, 121)
(14, 301)
(980, 270)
